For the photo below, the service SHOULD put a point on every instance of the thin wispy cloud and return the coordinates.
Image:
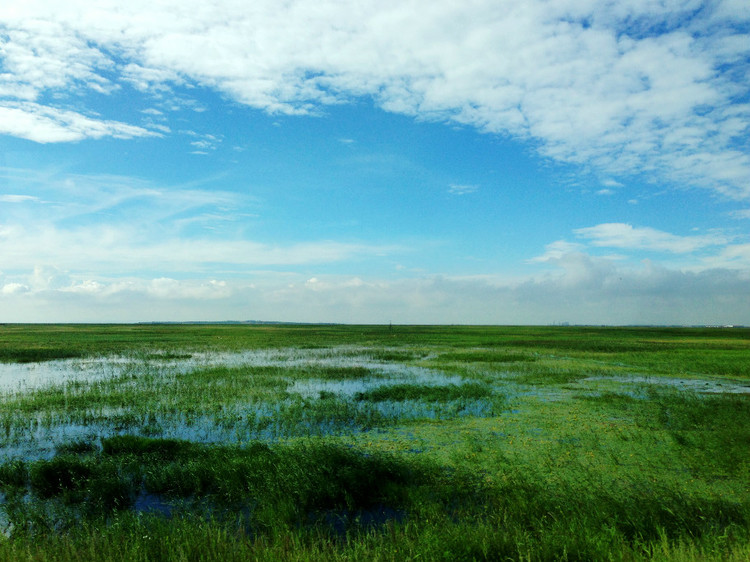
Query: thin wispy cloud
(122, 250)
(557, 250)
(620, 235)
(461, 189)
(18, 198)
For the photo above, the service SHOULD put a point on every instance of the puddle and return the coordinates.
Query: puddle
(343, 520)
(23, 377)
(695, 385)
(153, 504)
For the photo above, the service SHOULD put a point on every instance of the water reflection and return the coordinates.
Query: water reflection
(312, 407)
(23, 377)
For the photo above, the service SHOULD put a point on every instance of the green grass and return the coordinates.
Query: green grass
(485, 356)
(317, 494)
(447, 393)
(525, 459)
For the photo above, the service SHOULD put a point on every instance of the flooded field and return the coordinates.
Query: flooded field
(430, 430)
(297, 393)
(288, 393)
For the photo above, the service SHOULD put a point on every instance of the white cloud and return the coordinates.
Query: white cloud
(620, 87)
(172, 289)
(121, 250)
(150, 79)
(41, 53)
(621, 235)
(741, 214)
(48, 278)
(583, 290)
(72, 197)
(461, 189)
(14, 288)
(10, 198)
(556, 250)
(45, 124)
(87, 286)
(733, 256)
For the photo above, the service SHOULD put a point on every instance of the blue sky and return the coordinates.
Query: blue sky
(371, 161)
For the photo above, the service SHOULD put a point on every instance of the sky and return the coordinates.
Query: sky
(375, 161)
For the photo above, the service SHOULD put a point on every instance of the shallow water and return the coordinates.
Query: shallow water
(722, 386)
(302, 413)
(23, 377)
(389, 375)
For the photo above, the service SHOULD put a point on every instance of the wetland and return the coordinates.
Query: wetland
(303, 442)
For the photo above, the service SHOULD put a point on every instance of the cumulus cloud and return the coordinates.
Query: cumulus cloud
(46, 278)
(694, 253)
(14, 288)
(620, 87)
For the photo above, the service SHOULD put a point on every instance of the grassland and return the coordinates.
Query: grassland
(241, 442)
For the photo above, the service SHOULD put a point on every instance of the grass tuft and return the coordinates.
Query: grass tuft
(427, 393)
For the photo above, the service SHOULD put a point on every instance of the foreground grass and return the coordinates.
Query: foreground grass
(309, 500)
(516, 457)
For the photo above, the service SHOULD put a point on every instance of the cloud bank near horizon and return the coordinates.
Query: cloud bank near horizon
(584, 290)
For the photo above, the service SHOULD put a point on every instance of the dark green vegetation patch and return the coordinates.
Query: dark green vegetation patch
(287, 485)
